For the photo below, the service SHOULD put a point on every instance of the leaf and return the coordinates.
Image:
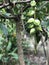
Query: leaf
(15, 50)
(33, 3)
(1, 38)
(30, 20)
(4, 29)
(32, 31)
(22, 17)
(44, 23)
(5, 59)
(48, 28)
(3, 11)
(1, 32)
(7, 14)
(14, 56)
(9, 46)
(1, 56)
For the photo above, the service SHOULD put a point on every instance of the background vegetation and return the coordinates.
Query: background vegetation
(20, 20)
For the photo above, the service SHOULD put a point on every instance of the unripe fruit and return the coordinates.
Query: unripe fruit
(31, 20)
(31, 12)
(33, 3)
(32, 31)
(31, 26)
(37, 22)
(39, 28)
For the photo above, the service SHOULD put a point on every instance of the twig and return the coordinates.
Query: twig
(8, 4)
(9, 17)
(3, 6)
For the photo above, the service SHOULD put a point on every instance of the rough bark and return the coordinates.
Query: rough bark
(47, 52)
(19, 43)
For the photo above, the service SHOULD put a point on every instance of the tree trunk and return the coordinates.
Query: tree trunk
(47, 52)
(19, 28)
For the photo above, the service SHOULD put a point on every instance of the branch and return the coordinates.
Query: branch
(3, 6)
(9, 4)
(45, 33)
(9, 17)
(4, 17)
(25, 8)
(1, 3)
(21, 2)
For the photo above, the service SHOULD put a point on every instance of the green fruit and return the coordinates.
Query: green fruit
(37, 22)
(31, 12)
(33, 3)
(31, 26)
(32, 31)
(39, 28)
(31, 20)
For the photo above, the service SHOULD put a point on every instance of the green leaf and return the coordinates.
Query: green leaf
(5, 59)
(15, 50)
(33, 3)
(1, 38)
(3, 11)
(4, 29)
(7, 14)
(14, 56)
(1, 56)
(9, 46)
(22, 17)
(1, 32)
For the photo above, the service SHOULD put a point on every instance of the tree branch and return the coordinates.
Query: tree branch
(21, 2)
(25, 8)
(9, 17)
(4, 5)
(9, 4)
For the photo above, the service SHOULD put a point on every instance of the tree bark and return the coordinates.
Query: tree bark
(19, 42)
(47, 52)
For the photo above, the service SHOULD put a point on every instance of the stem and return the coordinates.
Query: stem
(43, 46)
(35, 51)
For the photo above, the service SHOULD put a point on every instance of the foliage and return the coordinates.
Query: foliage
(34, 18)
